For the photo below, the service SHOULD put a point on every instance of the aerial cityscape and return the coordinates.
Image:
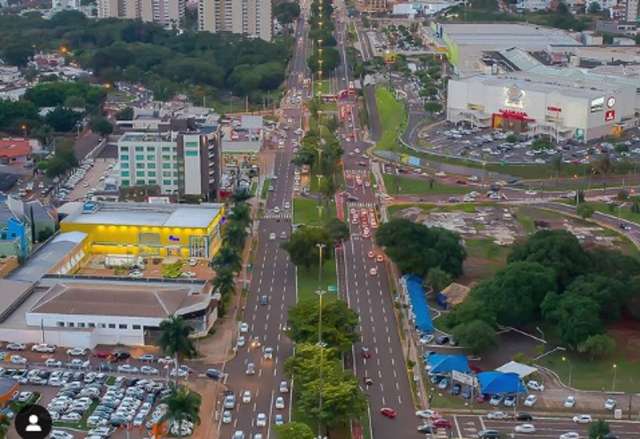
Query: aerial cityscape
(320, 219)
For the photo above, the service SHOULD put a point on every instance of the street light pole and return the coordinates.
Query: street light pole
(613, 384)
(320, 293)
(320, 246)
(570, 369)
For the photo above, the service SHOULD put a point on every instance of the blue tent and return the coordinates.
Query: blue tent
(439, 363)
(493, 383)
(419, 304)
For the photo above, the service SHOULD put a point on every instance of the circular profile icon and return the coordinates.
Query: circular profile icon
(33, 422)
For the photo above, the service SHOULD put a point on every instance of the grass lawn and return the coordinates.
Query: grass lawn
(393, 118)
(622, 212)
(397, 184)
(308, 280)
(427, 207)
(305, 211)
(265, 188)
(587, 374)
(322, 87)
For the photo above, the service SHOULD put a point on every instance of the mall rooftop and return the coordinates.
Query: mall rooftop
(144, 214)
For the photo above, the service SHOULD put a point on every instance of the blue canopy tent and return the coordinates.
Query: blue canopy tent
(494, 383)
(419, 305)
(439, 363)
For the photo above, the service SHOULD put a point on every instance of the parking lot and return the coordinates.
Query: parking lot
(499, 147)
(100, 391)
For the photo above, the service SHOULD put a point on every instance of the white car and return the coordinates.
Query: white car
(18, 359)
(570, 435)
(534, 385)
(43, 347)
(268, 353)
(272, 236)
(570, 402)
(244, 327)
(52, 362)
(241, 341)
(71, 417)
(16, 347)
(148, 370)
(246, 396)
(530, 400)
(610, 404)
(582, 419)
(261, 420)
(497, 415)
(127, 368)
(276, 209)
(226, 417)
(426, 339)
(373, 271)
(284, 387)
(427, 414)
(279, 402)
(60, 434)
(76, 352)
(525, 428)
(279, 419)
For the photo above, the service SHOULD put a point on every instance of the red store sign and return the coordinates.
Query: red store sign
(609, 115)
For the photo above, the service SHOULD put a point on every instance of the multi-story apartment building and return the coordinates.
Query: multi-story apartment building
(179, 163)
(168, 13)
(632, 10)
(248, 17)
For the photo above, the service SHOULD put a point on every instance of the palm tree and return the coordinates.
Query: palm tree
(224, 282)
(174, 340)
(235, 235)
(183, 405)
(241, 214)
(5, 423)
(227, 258)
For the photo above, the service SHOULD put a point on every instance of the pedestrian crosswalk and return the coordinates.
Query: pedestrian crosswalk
(281, 215)
(360, 205)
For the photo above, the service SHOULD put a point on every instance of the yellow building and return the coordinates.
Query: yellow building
(147, 230)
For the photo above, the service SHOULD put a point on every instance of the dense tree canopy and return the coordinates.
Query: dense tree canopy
(302, 247)
(416, 248)
(286, 12)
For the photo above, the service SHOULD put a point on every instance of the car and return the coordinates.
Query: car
(373, 271)
(276, 209)
(287, 205)
(229, 401)
(379, 257)
(610, 404)
(497, 415)
(509, 401)
(443, 384)
(426, 338)
(238, 434)
(244, 327)
(214, 373)
(272, 236)
(570, 435)
(251, 369)
(442, 423)
(246, 396)
(488, 434)
(148, 370)
(582, 419)
(525, 428)
(388, 412)
(127, 368)
(279, 419)
(147, 357)
(264, 300)
(534, 385)
(16, 347)
(283, 235)
(280, 404)
(267, 353)
(427, 414)
(284, 387)
(121, 355)
(426, 428)
(456, 389)
(44, 348)
(569, 402)
(241, 341)
(71, 417)
(52, 362)
(18, 359)
(442, 339)
(226, 417)
(524, 417)
(77, 352)
(60, 434)
(371, 254)
(530, 400)
(261, 420)
(496, 399)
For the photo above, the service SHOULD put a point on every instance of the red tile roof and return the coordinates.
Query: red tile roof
(12, 148)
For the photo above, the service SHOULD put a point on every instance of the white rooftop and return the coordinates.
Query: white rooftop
(499, 35)
(521, 369)
(144, 214)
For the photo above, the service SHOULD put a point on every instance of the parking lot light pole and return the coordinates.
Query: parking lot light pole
(613, 384)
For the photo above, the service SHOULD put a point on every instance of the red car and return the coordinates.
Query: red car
(102, 354)
(388, 412)
(442, 423)
(364, 352)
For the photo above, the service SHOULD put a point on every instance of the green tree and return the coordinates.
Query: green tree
(183, 405)
(416, 248)
(101, 125)
(432, 106)
(286, 12)
(302, 247)
(294, 430)
(559, 250)
(227, 258)
(477, 336)
(125, 114)
(598, 346)
(18, 53)
(175, 340)
(599, 429)
(438, 279)
(609, 293)
(576, 317)
(635, 206)
(594, 8)
(235, 235)
(339, 323)
(62, 119)
(585, 210)
(542, 142)
(5, 424)
(75, 101)
(224, 282)
(337, 230)
(240, 214)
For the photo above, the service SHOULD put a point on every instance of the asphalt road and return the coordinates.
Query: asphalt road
(274, 276)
